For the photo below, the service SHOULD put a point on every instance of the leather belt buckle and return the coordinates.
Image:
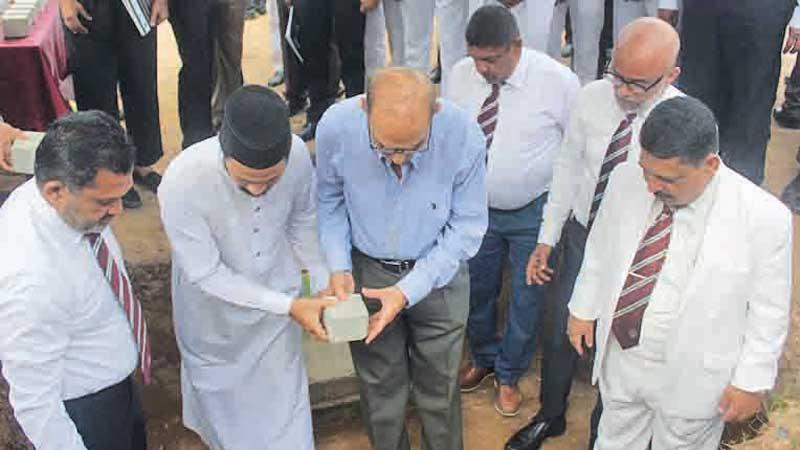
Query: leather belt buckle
(396, 266)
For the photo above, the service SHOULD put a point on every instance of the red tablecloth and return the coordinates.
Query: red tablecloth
(31, 70)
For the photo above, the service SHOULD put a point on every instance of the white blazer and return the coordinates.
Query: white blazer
(734, 320)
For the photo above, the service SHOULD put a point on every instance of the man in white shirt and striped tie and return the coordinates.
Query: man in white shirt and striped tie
(602, 132)
(521, 99)
(687, 278)
(71, 329)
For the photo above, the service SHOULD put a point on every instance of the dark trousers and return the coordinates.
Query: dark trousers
(110, 419)
(559, 358)
(791, 93)
(416, 357)
(292, 68)
(730, 59)
(511, 236)
(114, 56)
(323, 21)
(192, 25)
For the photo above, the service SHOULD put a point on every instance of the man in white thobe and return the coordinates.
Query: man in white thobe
(687, 276)
(239, 211)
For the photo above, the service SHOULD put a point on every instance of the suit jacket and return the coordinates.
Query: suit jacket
(734, 318)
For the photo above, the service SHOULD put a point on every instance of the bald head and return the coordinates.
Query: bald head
(400, 103)
(646, 48)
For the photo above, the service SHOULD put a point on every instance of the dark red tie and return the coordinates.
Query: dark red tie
(616, 153)
(641, 280)
(487, 117)
(124, 293)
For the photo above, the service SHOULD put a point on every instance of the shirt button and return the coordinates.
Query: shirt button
(257, 209)
(258, 254)
(256, 230)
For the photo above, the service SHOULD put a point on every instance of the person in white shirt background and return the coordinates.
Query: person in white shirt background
(239, 210)
(604, 123)
(687, 337)
(521, 98)
(67, 348)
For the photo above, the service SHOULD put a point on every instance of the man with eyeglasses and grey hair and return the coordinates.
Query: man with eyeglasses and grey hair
(401, 208)
(602, 132)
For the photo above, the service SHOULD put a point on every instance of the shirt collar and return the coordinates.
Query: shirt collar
(51, 218)
(517, 78)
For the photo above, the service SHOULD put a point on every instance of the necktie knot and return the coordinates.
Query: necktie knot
(92, 237)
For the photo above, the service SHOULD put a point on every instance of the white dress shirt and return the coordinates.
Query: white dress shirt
(63, 334)
(665, 302)
(595, 117)
(236, 269)
(534, 105)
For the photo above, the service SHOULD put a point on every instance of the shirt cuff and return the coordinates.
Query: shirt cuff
(549, 234)
(339, 259)
(795, 22)
(668, 4)
(415, 287)
(279, 302)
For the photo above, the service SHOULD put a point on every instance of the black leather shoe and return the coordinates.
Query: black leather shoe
(786, 118)
(308, 132)
(277, 78)
(532, 435)
(131, 200)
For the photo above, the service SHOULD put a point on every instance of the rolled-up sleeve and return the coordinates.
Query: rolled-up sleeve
(461, 236)
(332, 216)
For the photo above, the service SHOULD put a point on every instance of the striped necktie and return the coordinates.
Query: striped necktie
(616, 153)
(487, 117)
(139, 10)
(124, 292)
(641, 280)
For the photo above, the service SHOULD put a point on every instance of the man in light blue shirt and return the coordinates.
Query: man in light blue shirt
(401, 207)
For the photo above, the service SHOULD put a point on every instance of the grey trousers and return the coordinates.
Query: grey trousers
(226, 70)
(417, 356)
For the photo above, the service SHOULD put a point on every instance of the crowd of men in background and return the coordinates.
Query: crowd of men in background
(627, 208)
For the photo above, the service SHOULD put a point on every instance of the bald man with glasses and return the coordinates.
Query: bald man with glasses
(401, 208)
(601, 133)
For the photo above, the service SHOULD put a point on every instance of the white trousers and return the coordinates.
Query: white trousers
(626, 11)
(631, 387)
(587, 25)
(451, 18)
(557, 30)
(533, 20)
(387, 17)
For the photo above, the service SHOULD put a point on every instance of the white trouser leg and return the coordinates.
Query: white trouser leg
(395, 29)
(627, 420)
(557, 30)
(533, 19)
(451, 19)
(626, 11)
(670, 433)
(587, 24)
(418, 31)
(374, 40)
(276, 58)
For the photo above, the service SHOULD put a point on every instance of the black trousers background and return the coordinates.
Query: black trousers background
(111, 419)
(114, 56)
(323, 21)
(730, 59)
(192, 24)
(559, 358)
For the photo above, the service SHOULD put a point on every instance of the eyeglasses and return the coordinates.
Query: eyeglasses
(386, 151)
(637, 86)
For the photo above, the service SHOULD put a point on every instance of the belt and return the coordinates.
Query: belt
(396, 266)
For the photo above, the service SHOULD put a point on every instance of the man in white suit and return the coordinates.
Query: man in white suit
(687, 276)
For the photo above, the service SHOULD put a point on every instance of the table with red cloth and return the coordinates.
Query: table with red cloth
(32, 74)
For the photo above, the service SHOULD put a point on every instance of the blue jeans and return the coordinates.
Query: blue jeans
(512, 235)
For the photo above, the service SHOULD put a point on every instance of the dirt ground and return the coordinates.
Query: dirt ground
(147, 254)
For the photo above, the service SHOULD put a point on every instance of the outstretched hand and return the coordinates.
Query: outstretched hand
(392, 303)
